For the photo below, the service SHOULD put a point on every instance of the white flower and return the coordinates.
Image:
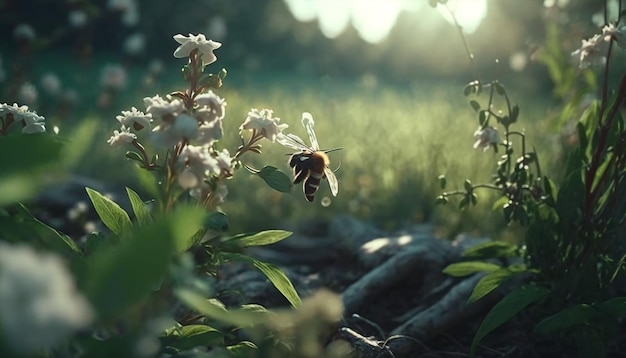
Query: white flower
(134, 44)
(210, 132)
(611, 31)
(185, 127)
(210, 106)
(33, 123)
(163, 137)
(28, 93)
(591, 52)
(135, 119)
(264, 122)
(160, 107)
(196, 163)
(204, 46)
(113, 77)
(40, 306)
(225, 163)
(220, 193)
(156, 66)
(17, 111)
(121, 137)
(486, 137)
(24, 32)
(51, 83)
(77, 18)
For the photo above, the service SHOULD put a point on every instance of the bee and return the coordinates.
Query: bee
(310, 165)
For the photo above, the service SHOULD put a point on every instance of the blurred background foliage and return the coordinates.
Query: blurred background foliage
(394, 103)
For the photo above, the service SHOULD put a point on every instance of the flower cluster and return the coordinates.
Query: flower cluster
(40, 305)
(486, 138)
(593, 50)
(188, 125)
(30, 120)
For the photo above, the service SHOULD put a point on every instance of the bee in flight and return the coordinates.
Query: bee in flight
(310, 165)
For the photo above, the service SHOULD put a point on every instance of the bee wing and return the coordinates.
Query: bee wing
(292, 141)
(308, 123)
(332, 181)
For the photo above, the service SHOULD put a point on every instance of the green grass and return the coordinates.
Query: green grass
(396, 140)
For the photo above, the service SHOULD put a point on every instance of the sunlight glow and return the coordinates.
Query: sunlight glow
(469, 13)
(374, 19)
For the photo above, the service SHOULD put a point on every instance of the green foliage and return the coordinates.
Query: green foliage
(273, 273)
(120, 276)
(276, 179)
(572, 249)
(494, 279)
(111, 214)
(192, 336)
(20, 226)
(513, 303)
(461, 269)
(24, 160)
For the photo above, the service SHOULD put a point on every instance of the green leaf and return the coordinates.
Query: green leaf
(468, 89)
(463, 202)
(468, 186)
(475, 105)
(442, 181)
(491, 249)
(461, 269)
(28, 161)
(192, 336)
(509, 306)
(514, 113)
(259, 239)
(615, 307)
(22, 227)
(276, 179)
(120, 276)
(214, 309)
(566, 318)
(493, 280)
(216, 221)
(499, 88)
(111, 214)
(132, 155)
(273, 273)
(499, 203)
(243, 349)
(139, 207)
(441, 200)
(482, 118)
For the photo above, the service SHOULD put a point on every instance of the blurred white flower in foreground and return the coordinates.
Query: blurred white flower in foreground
(192, 42)
(263, 122)
(486, 137)
(39, 304)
